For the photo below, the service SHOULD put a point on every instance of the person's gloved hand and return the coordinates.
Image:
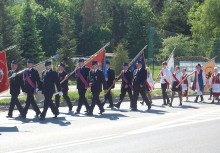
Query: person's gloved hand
(14, 75)
(60, 93)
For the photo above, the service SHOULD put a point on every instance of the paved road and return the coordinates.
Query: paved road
(190, 128)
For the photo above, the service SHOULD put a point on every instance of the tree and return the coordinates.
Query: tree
(9, 35)
(140, 18)
(30, 40)
(184, 47)
(67, 40)
(120, 56)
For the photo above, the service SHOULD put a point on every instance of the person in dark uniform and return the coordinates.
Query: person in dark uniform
(64, 87)
(16, 83)
(140, 76)
(109, 82)
(49, 78)
(97, 80)
(126, 85)
(82, 74)
(32, 85)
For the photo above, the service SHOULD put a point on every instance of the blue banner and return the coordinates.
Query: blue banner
(139, 57)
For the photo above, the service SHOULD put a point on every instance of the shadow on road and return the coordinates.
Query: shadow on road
(9, 129)
(114, 116)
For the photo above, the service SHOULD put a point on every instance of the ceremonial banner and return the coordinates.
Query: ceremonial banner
(170, 62)
(208, 69)
(4, 83)
(97, 57)
(105, 69)
(138, 57)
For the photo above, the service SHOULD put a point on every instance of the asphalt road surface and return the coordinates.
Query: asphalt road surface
(192, 128)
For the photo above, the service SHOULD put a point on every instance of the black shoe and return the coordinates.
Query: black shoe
(164, 104)
(55, 116)
(142, 103)
(149, 107)
(102, 111)
(170, 104)
(9, 116)
(77, 112)
(117, 105)
(213, 102)
(70, 109)
(180, 104)
(42, 118)
(134, 109)
(89, 114)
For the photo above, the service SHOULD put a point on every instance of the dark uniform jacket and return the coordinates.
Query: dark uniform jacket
(64, 85)
(140, 78)
(97, 79)
(111, 77)
(16, 83)
(128, 75)
(35, 78)
(49, 80)
(85, 73)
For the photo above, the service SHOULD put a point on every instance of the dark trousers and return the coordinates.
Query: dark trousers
(123, 93)
(108, 96)
(66, 98)
(142, 91)
(30, 101)
(14, 101)
(164, 93)
(82, 100)
(96, 101)
(49, 103)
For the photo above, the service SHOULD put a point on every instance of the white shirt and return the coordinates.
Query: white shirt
(150, 79)
(166, 75)
(178, 76)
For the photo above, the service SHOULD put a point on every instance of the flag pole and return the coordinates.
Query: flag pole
(91, 57)
(9, 48)
(142, 50)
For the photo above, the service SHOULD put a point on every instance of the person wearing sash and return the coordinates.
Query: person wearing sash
(64, 87)
(49, 80)
(164, 77)
(97, 80)
(110, 84)
(139, 84)
(199, 82)
(215, 84)
(32, 84)
(82, 74)
(185, 84)
(176, 78)
(126, 85)
(149, 84)
(16, 84)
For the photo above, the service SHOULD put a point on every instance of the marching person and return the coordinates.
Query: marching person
(64, 87)
(176, 78)
(139, 83)
(109, 82)
(215, 84)
(82, 74)
(97, 80)
(199, 82)
(126, 85)
(16, 83)
(49, 80)
(164, 77)
(149, 84)
(185, 84)
(32, 85)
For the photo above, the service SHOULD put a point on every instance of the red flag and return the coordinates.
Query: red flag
(4, 83)
(98, 57)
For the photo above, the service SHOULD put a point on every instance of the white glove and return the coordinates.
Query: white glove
(36, 90)
(60, 93)
(13, 75)
(24, 93)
